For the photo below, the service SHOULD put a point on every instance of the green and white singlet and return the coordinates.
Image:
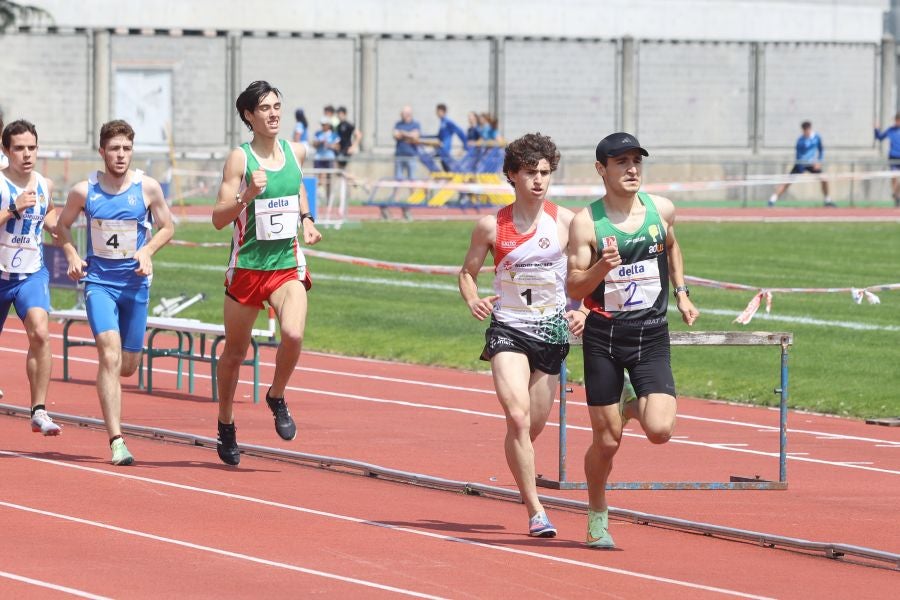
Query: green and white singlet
(265, 234)
(638, 289)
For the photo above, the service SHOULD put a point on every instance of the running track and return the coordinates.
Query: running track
(179, 523)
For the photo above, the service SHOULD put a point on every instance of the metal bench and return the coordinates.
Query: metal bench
(184, 330)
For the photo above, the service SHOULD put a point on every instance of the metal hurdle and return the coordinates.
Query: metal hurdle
(694, 338)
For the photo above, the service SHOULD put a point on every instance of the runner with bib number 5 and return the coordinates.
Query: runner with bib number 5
(263, 197)
(623, 256)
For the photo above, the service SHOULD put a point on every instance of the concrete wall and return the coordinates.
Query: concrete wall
(48, 82)
(741, 20)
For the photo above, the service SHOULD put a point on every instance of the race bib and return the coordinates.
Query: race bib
(527, 291)
(19, 258)
(632, 287)
(277, 218)
(111, 238)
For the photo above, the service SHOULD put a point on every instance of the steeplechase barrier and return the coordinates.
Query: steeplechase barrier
(693, 338)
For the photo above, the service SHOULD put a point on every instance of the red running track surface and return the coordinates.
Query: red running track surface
(179, 523)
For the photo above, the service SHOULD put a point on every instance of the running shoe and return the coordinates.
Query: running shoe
(226, 445)
(41, 421)
(120, 454)
(284, 423)
(540, 526)
(598, 530)
(627, 396)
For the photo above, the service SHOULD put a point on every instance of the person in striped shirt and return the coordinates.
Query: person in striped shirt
(26, 208)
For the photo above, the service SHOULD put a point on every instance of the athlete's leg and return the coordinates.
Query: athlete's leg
(606, 425)
(289, 302)
(513, 383)
(656, 414)
(133, 307)
(39, 360)
(238, 326)
(109, 387)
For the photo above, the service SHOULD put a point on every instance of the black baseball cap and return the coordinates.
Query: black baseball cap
(616, 143)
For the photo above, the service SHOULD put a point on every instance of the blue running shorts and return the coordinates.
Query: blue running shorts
(25, 294)
(118, 309)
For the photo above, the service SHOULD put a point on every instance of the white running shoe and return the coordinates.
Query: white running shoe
(41, 421)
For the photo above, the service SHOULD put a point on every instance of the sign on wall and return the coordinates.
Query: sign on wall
(144, 99)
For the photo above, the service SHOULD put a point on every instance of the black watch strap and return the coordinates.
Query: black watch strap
(681, 288)
(307, 215)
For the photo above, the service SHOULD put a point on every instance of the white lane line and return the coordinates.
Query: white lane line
(210, 549)
(340, 517)
(53, 586)
(490, 392)
(347, 396)
(897, 445)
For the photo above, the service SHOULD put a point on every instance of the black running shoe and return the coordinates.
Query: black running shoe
(284, 423)
(226, 445)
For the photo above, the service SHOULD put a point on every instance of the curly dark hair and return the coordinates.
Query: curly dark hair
(527, 151)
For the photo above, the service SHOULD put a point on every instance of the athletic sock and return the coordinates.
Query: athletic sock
(36, 408)
(773, 198)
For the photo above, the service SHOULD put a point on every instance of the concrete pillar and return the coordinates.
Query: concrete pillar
(757, 95)
(629, 115)
(233, 123)
(496, 99)
(368, 110)
(101, 90)
(888, 106)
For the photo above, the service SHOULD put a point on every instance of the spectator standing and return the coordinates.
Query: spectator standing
(892, 133)
(349, 137)
(407, 132)
(301, 128)
(473, 133)
(809, 153)
(447, 129)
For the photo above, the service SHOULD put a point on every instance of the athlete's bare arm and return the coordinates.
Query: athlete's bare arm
(689, 312)
(162, 218)
(311, 235)
(227, 207)
(586, 268)
(74, 207)
(564, 218)
(483, 238)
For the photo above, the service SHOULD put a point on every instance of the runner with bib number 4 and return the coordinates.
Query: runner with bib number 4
(121, 206)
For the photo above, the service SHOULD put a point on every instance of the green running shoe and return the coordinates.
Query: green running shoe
(120, 454)
(628, 395)
(598, 530)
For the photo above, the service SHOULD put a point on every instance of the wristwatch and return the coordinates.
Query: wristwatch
(307, 215)
(681, 288)
(13, 211)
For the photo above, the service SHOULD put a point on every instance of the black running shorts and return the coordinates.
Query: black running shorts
(610, 348)
(543, 357)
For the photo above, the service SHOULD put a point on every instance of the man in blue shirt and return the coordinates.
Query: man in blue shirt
(407, 132)
(810, 152)
(448, 128)
(893, 134)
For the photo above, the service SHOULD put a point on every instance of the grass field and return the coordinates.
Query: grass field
(844, 361)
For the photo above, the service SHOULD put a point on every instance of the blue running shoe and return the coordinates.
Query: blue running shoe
(540, 526)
